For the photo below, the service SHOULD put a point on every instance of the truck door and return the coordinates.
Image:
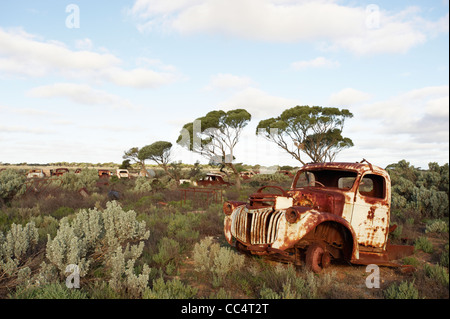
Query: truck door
(370, 218)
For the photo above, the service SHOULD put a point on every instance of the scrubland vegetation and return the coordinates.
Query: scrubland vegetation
(144, 241)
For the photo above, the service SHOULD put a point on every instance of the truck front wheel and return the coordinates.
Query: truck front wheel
(317, 257)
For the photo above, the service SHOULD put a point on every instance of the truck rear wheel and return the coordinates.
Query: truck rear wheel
(317, 257)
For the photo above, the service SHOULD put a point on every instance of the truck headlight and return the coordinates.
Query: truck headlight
(292, 215)
(230, 206)
(227, 208)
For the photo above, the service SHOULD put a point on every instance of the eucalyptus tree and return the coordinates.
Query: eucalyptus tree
(215, 135)
(313, 131)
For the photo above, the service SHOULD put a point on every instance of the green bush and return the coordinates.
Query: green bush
(51, 291)
(87, 178)
(422, 243)
(397, 233)
(94, 237)
(443, 261)
(423, 191)
(63, 211)
(216, 262)
(15, 246)
(437, 273)
(411, 261)
(404, 290)
(143, 184)
(171, 289)
(12, 183)
(46, 225)
(436, 226)
(168, 255)
(283, 282)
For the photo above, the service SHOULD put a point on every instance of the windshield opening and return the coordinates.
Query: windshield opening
(326, 178)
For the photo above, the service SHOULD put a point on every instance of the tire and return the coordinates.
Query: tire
(317, 257)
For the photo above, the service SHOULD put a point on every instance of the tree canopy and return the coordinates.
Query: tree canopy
(215, 135)
(158, 152)
(311, 130)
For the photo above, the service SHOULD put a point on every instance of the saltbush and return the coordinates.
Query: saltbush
(437, 273)
(98, 237)
(15, 245)
(423, 243)
(171, 289)
(50, 291)
(436, 226)
(404, 290)
(215, 261)
(12, 183)
(87, 178)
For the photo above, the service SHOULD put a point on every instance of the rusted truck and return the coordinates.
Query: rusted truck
(333, 211)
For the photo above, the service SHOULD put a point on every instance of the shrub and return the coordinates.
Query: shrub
(283, 282)
(411, 261)
(12, 183)
(220, 294)
(50, 291)
(143, 184)
(87, 178)
(397, 233)
(46, 225)
(404, 290)
(437, 273)
(63, 211)
(168, 254)
(422, 243)
(443, 261)
(436, 226)
(215, 261)
(182, 227)
(15, 246)
(123, 277)
(94, 236)
(171, 289)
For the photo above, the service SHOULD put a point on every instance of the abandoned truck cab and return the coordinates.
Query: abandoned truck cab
(332, 211)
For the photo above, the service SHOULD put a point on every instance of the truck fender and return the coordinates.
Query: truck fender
(308, 222)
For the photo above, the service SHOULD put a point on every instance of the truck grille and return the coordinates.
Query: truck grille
(256, 227)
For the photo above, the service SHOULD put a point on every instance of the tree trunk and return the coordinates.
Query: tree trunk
(236, 176)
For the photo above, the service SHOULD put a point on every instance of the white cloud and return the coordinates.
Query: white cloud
(224, 81)
(421, 115)
(24, 129)
(319, 62)
(23, 54)
(348, 97)
(258, 103)
(28, 111)
(84, 44)
(329, 22)
(79, 93)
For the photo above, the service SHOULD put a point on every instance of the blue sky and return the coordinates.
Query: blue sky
(133, 72)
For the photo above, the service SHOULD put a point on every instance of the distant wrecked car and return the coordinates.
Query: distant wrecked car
(35, 173)
(122, 173)
(212, 179)
(331, 211)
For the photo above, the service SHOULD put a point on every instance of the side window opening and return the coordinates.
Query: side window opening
(372, 186)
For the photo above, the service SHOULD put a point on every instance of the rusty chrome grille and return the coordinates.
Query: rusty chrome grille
(256, 227)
